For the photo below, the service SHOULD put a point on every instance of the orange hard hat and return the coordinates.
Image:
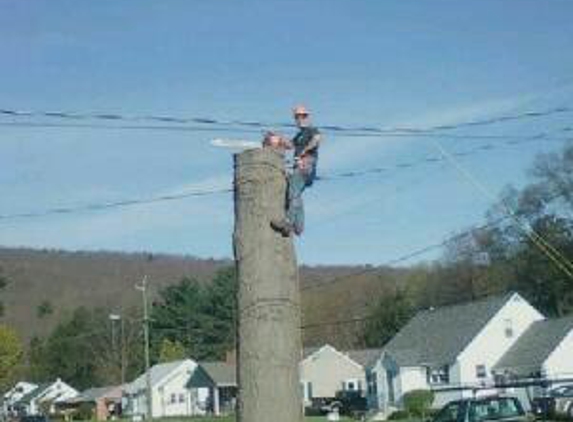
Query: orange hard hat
(300, 110)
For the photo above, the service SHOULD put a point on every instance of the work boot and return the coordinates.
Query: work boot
(282, 226)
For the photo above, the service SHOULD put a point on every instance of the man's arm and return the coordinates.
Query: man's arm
(313, 144)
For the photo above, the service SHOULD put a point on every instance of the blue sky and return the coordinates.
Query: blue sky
(360, 62)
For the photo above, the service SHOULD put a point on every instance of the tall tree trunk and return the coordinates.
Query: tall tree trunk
(269, 340)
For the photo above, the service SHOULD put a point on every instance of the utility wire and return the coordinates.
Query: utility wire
(213, 129)
(114, 204)
(198, 193)
(115, 117)
(415, 253)
(545, 246)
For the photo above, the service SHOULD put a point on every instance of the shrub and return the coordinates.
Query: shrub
(418, 402)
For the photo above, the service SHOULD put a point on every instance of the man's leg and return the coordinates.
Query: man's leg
(295, 205)
(294, 220)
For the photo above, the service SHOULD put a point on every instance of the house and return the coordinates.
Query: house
(104, 401)
(544, 350)
(15, 394)
(220, 379)
(170, 392)
(325, 371)
(449, 350)
(44, 398)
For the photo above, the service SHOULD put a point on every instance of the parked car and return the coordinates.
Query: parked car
(558, 402)
(351, 403)
(347, 403)
(494, 408)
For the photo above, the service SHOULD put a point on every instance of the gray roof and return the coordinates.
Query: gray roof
(364, 357)
(213, 374)
(222, 373)
(93, 394)
(533, 347)
(158, 373)
(36, 392)
(436, 337)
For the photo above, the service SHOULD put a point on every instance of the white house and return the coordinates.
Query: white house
(15, 394)
(48, 394)
(449, 350)
(324, 371)
(171, 394)
(544, 351)
(220, 379)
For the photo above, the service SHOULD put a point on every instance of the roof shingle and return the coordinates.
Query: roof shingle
(436, 337)
(532, 349)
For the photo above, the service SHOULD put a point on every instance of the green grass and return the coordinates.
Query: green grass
(232, 419)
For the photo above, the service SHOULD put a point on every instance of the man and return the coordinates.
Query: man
(305, 144)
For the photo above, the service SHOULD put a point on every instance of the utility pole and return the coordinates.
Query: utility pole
(122, 358)
(269, 338)
(118, 352)
(143, 287)
(123, 352)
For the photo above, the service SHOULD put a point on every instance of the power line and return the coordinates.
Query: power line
(214, 129)
(554, 255)
(403, 258)
(210, 121)
(415, 253)
(198, 193)
(114, 204)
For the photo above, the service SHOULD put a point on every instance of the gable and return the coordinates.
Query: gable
(328, 355)
(535, 346)
(436, 337)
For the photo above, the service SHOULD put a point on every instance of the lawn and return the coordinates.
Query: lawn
(232, 419)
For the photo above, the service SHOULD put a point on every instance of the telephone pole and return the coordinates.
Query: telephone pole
(269, 338)
(143, 287)
(115, 318)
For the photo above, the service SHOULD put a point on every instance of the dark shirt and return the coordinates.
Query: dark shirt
(302, 139)
(300, 142)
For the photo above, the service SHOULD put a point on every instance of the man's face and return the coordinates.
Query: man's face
(301, 120)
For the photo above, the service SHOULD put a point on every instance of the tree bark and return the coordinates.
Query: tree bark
(269, 340)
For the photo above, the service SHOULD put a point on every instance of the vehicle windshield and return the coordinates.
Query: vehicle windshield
(495, 409)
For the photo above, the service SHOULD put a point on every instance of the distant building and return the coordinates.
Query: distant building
(16, 393)
(104, 401)
(171, 394)
(325, 371)
(44, 398)
(220, 379)
(449, 350)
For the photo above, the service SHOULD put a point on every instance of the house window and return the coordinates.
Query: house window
(481, 371)
(508, 328)
(439, 375)
(306, 390)
(350, 385)
(173, 398)
(181, 398)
